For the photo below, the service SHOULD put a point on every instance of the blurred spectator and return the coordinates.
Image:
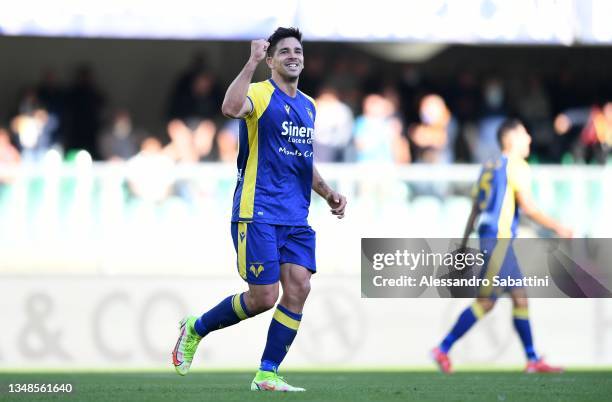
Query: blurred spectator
(120, 141)
(182, 145)
(182, 86)
(345, 83)
(493, 114)
(534, 108)
(434, 138)
(34, 127)
(333, 127)
(150, 173)
(311, 76)
(8, 152)
(53, 97)
(464, 100)
(9, 156)
(409, 84)
(378, 133)
(191, 140)
(368, 80)
(203, 136)
(595, 139)
(202, 100)
(84, 105)
(227, 141)
(465, 97)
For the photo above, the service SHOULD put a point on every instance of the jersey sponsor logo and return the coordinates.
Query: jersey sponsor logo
(295, 152)
(297, 134)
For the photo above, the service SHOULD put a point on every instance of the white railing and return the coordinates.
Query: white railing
(83, 218)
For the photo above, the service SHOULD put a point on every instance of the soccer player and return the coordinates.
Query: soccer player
(271, 235)
(502, 190)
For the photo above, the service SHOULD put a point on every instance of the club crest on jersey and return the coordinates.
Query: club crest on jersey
(310, 113)
(287, 108)
(256, 270)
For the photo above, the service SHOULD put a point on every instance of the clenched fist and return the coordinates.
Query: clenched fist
(259, 48)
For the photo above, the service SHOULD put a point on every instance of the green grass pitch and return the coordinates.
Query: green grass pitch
(350, 386)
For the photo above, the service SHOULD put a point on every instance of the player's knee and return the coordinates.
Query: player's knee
(298, 291)
(266, 301)
(304, 289)
(486, 304)
(520, 302)
(263, 301)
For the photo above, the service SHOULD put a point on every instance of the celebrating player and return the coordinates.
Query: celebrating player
(269, 226)
(502, 189)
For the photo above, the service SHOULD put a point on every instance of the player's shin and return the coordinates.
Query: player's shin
(282, 332)
(520, 318)
(230, 311)
(465, 321)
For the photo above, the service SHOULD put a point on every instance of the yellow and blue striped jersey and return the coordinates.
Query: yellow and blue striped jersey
(275, 158)
(495, 194)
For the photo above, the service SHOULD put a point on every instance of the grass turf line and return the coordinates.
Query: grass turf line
(329, 386)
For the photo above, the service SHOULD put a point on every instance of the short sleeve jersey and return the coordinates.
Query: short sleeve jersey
(275, 158)
(495, 193)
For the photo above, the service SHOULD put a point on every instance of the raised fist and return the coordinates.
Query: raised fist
(259, 48)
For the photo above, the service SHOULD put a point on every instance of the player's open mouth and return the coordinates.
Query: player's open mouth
(292, 65)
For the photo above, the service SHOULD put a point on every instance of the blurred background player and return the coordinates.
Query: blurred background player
(269, 224)
(502, 190)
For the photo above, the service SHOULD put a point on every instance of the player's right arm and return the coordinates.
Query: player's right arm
(236, 104)
(469, 227)
(480, 193)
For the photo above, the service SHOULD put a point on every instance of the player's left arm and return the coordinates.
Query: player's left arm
(529, 208)
(335, 200)
(520, 180)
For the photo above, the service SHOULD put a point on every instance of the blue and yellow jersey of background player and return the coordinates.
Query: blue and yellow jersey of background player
(502, 191)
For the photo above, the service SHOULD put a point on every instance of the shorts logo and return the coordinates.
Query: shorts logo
(256, 270)
(242, 235)
(287, 109)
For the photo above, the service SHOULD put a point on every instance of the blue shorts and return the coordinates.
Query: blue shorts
(500, 260)
(262, 248)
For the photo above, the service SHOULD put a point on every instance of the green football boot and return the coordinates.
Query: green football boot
(271, 381)
(186, 346)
